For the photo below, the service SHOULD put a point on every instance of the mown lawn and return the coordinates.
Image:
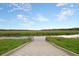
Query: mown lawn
(9, 44)
(71, 44)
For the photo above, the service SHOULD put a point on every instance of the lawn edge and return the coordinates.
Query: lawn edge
(13, 50)
(64, 49)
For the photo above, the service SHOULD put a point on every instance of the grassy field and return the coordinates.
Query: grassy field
(37, 33)
(71, 44)
(9, 44)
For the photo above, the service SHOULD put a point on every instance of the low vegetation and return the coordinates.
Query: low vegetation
(37, 32)
(71, 44)
(9, 44)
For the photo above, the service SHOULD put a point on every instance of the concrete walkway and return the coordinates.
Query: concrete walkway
(39, 47)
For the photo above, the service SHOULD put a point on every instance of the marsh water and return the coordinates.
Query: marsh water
(25, 37)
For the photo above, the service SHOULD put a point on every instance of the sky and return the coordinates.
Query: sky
(39, 15)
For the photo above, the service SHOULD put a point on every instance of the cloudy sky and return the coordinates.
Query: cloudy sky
(38, 15)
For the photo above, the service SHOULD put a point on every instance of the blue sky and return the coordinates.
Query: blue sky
(39, 15)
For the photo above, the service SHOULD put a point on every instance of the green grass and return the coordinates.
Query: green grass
(71, 44)
(9, 44)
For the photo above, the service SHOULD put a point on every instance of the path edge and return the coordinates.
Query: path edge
(66, 50)
(13, 50)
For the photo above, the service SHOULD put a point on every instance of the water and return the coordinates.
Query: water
(25, 37)
(22, 37)
(69, 36)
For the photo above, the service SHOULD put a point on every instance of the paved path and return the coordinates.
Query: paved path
(39, 47)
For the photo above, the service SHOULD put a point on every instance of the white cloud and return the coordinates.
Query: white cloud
(20, 6)
(65, 5)
(65, 13)
(24, 19)
(41, 18)
(60, 4)
(66, 10)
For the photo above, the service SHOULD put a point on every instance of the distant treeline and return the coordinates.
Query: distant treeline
(38, 30)
(60, 29)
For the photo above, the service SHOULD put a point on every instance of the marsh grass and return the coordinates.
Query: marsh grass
(37, 33)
